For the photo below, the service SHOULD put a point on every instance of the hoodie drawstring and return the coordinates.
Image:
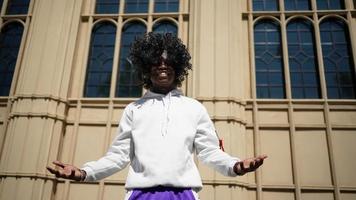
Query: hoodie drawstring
(166, 105)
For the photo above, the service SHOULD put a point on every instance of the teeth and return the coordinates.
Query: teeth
(163, 74)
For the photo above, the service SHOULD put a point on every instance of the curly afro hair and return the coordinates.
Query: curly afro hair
(147, 51)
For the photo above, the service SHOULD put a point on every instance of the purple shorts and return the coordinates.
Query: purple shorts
(162, 193)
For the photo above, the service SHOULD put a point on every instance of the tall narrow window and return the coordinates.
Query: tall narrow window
(136, 6)
(165, 27)
(1, 1)
(265, 5)
(166, 5)
(128, 84)
(107, 6)
(330, 4)
(17, 7)
(268, 59)
(338, 62)
(100, 61)
(302, 60)
(10, 41)
(297, 4)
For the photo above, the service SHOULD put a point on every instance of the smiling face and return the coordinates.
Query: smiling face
(162, 77)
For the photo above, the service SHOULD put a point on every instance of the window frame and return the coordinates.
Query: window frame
(25, 20)
(316, 16)
(89, 17)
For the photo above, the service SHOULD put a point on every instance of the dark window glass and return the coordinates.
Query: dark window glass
(265, 5)
(330, 4)
(166, 5)
(165, 27)
(302, 60)
(1, 1)
(337, 57)
(297, 4)
(128, 83)
(268, 59)
(98, 77)
(17, 7)
(10, 41)
(136, 6)
(107, 6)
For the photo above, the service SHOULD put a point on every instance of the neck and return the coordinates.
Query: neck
(162, 90)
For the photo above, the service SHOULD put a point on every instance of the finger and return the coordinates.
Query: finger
(259, 162)
(61, 174)
(59, 164)
(252, 166)
(56, 172)
(242, 166)
(50, 169)
(264, 156)
(72, 174)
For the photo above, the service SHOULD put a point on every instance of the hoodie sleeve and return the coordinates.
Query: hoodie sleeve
(207, 147)
(118, 155)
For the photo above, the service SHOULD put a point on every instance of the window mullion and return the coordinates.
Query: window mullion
(287, 85)
(351, 32)
(319, 56)
(121, 8)
(2, 13)
(116, 58)
(85, 57)
(313, 5)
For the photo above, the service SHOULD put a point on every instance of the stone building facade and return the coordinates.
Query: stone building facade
(277, 77)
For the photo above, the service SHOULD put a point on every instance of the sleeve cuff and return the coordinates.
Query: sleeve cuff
(89, 174)
(231, 167)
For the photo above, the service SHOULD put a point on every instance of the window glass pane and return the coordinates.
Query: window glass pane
(136, 6)
(166, 5)
(302, 59)
(268, 60)
(265, 5)
(128, 83)
(10, 41)
(100, 61)
(17, 7)
(330, 4)
(337, 57)
(297, 4)
(1, 1)
(165, 27)
(107, 6)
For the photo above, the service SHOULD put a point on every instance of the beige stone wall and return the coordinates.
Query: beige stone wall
(310, 143)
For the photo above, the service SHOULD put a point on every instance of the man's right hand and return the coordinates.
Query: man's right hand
(67, 171)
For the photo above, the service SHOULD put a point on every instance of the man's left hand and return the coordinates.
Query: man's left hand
(248, 165)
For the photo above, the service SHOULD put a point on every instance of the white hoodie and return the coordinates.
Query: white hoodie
(158, 134)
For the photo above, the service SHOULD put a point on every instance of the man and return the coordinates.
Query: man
(159, 133)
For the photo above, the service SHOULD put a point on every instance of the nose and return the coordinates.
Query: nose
(163, 65)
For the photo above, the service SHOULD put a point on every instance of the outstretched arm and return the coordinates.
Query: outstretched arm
(248, 165)
(67, 171)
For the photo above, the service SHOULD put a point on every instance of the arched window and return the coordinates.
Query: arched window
(98, 77)
(17, 7)
(297, 5)
(10, 41)
(268, 59)
(337, 57)
(128, 84)
(136, 6)
(302, 60)
(166, 5)
(265, 5)
(107, 6)
(165, 27)
(330, 4)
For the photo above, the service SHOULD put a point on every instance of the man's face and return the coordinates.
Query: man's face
(162, 76)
